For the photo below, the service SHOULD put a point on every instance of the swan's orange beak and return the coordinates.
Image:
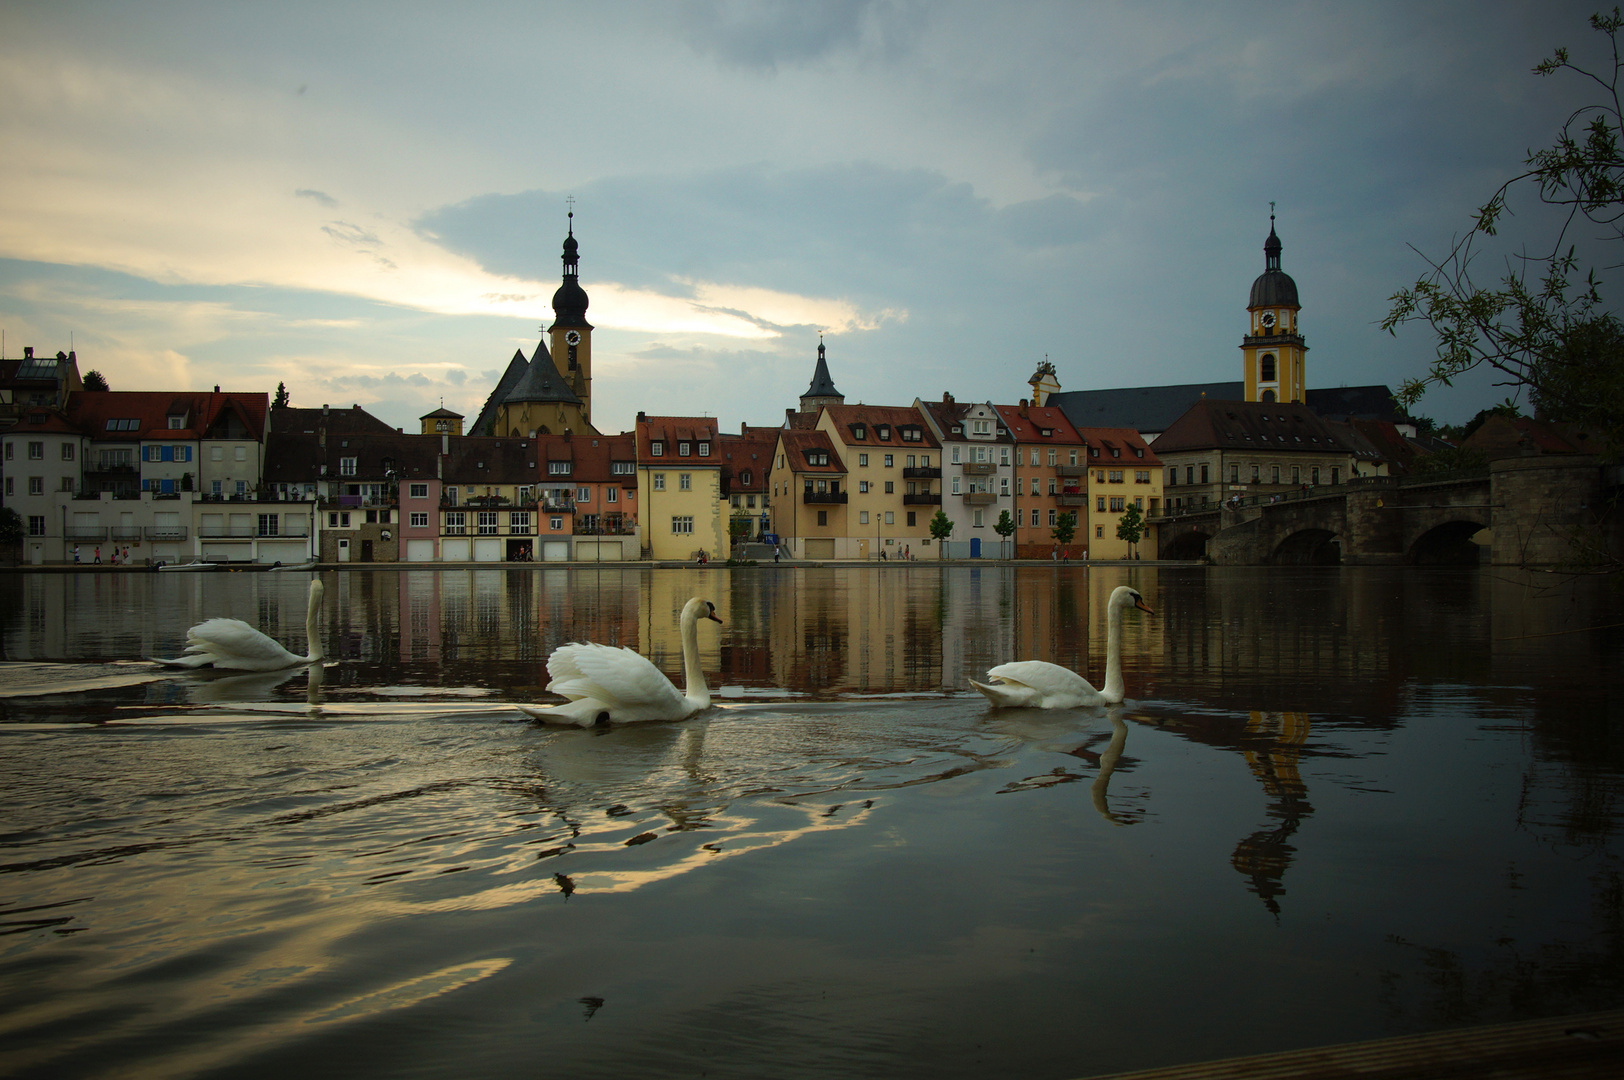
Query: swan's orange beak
(713, 617)
(1139, 602)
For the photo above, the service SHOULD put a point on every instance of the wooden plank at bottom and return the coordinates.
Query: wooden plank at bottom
(1576, 1047)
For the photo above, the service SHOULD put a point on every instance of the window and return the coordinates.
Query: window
(1099, 532)
(883, 432)
(683, 449)
(555, 523)
(1118, 504)
(1035, 513)
(1035, 489)
(176, 423)
(1003, 485)
(890, 487)
(36, 524)
(1116, 476)
(456, 522)
(1313, 476)
(420, 519)
(560, 468)
(36, 485)
(659, 481)
(1296, 474)
(11, 486)
(242, 453)
(979, 454)
(955, 485)
(1173, 477)
(36, 451)
(656, 449)
(1099, 501)
(1141, 476)
(685, 482)
(924, 461)
(862, 487)
(862, 517)
(346, 466)
(67, 483)
(1003, 455)
(485, 522)
(419, 491)
(611, 495)
(1234, 473)
(67, 451)
(1051, 516)
(1266, 368)
(1274, 471)
(890, 460)
(977, 519)
(1336, 476)
(1204, 478)
(583, 494)
(1189, 474)
(823, 517)
(955, 455)
(10, 447)
(1255, 470)
(862, 461)
(217, 453)
(682, 525)
(704, 449)
(270, 524)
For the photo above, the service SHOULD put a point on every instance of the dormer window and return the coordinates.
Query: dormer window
(559, 468)
(704, 449)
(884, 431)
(656, 448)
(176, 423)
(957, 430)
(683, 449)
(981, 427)
(858, 431)
(744, 478)
(1138, 451)
(1115, 452)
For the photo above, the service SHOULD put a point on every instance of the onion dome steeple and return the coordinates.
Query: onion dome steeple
(570, 301)
(1274, 287)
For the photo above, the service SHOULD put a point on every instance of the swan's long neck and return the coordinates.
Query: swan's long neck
(697, 690)
(1114, 690)
(312, 630)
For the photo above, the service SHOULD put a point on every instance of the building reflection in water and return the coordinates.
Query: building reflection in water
(1275, 739)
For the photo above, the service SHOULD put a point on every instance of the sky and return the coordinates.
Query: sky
(367, 201)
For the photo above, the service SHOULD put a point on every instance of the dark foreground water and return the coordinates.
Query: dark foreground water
(1340, 804)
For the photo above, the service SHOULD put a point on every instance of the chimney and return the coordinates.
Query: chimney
(28, 354)
(947, 399)
(216, 388)
(642, 417)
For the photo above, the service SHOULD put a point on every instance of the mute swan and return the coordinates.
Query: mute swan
(233, 645)
(1037, 684)
(605, 682)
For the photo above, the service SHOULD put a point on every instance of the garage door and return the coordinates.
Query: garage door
(218, 553)
(599, 551)
(420, 551)
(821, 549)
(555, 551)
(454, 550)
(286, 552)
(487, 549)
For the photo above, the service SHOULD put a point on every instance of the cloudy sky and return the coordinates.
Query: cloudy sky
(366, 201)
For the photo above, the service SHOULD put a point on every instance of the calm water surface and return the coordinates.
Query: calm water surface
(1339, 804)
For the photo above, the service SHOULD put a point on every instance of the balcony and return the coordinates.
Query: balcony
(979, 468)
(1072, 498)
(922, 500)
(556, 506)
(980, 498)
(912, 473)
(227, 532)
(166, 532)
(823, 496)
(1071, 470)
(111, 468)
(85, 533)
(126, 532)
(612, 525)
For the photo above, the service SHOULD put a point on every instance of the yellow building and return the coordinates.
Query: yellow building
(1274, 355)
(809, 495)
(679, 487)
(441, 421)
(883, 447)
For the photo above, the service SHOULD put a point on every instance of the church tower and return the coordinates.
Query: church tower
(822, 390)
(1274, 355)
(1044, 382)
(571, 333)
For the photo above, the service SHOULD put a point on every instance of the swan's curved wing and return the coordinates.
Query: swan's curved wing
(232, 643)
(614, 676)
(1049, 680)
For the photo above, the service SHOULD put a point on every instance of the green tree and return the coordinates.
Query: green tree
(280, 401)
(1131, 527)
(1005, 526)
(739, 527)
(1544, 325)
(95, 381)
(11, 526)
(1065, 527)
(940, 529)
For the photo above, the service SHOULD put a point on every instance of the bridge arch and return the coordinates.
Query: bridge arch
(1447, 544)
(1190, 544)
(1308, 547)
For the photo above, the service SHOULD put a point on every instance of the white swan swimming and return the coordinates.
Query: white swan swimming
(233, 645)
(608, 683)
(1038, 684)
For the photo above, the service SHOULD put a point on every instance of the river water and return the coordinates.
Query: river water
(1339, 804)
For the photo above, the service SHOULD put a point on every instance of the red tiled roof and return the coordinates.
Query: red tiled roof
(797, 443)
(151, 409)
(1027, 424)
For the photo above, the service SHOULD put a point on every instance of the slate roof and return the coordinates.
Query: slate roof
(442, 413)
(351, 421)
(504, 460)
(822, 385)
(1254, 425)
(1153, 409)
(297, 457)
(485, 422)
(541, 382)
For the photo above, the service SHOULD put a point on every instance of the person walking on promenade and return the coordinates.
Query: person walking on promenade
(98, 555)
(76, 554)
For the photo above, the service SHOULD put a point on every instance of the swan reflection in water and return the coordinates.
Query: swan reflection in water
(255, 686)
(1049, 730)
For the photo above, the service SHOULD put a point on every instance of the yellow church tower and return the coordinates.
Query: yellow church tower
(571, 333)
(1274, 354)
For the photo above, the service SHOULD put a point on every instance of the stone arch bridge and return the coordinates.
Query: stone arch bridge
(1522, 511)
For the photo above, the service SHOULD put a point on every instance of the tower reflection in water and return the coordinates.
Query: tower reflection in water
(1264, 857)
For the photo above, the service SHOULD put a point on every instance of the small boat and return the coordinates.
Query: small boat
(311, 565)
(195, 564)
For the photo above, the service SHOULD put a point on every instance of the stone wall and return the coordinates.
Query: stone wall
(1548, 511)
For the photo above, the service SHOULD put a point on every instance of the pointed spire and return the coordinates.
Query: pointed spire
(570, 301)
(541, 382)
(822, 385)
(1271, 246)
